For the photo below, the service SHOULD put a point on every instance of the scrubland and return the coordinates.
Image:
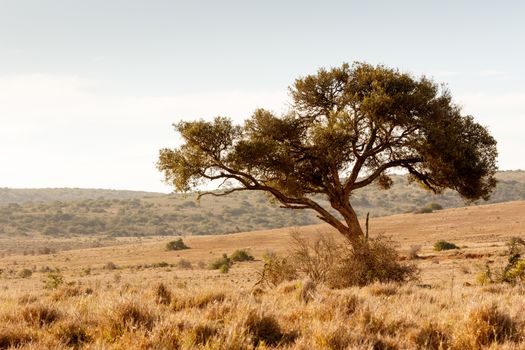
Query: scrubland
(138, 294)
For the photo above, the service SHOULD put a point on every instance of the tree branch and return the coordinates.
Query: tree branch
(381, 169)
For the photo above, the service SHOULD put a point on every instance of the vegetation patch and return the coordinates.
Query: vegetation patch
(177, 244)
(444, 245)
(241, 255)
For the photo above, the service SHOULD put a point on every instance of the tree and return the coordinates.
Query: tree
(347, 128)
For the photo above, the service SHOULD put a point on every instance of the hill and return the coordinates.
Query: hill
(178, 214)
(24, 195)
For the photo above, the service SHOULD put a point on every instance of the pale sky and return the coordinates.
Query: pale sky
(89, 89)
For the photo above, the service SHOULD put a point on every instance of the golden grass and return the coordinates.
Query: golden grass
(167, 307)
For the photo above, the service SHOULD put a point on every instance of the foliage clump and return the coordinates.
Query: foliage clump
(223, 263)
(513, 272)
(177, 244)
(444, 245)
(487, 325)
(339, 265)
(241, 255)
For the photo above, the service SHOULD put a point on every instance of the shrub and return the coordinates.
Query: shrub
(414, 251)
(431, 337)
(72, 333)
(444, 245)
(486, 325)
(263, 328)
(341, 265)
(184, 264)
(276, 270)
(202, 333)
(424, 210)
(222, 261)
(53, 280)
(128, 315)
(224, 268)
(435, 206)
(110, 266)
(40, 315)
(25, 273)
(241, 255)
(162, 294)
(177, 244)
(13, 338)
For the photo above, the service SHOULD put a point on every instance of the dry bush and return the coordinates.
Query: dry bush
(39, 314)
(339, 265)
(335, 339)
(484, 326)
(413, 253)
(167, 336)
(276, 270)
(72, 333)
(162, 294)
(67, 292)
(128, 315)
(201, 334)
(13, 337)
(27, 299)
(265, 328)
(307, 291)
(431, 337)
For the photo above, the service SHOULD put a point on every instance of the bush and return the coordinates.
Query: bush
(72, 333)
(486, 325)
(184, 264)
(263, 328)
(425, 210)
(435, 206)
(110, 266)
(217, 264)
(444, 245)
(53, 280)
(513, 272)
(40, 315)
(25, 273)
(177, 244)
(162, 294)
(413, 253)
(128, 315)
(276, 270)
(339, 265)
(241, 255)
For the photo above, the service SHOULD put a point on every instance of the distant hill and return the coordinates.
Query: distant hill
(23, 195)
(130, 213)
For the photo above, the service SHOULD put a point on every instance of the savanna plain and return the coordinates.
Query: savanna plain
(218, 293)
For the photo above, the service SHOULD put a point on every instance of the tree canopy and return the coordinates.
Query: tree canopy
(347, 128)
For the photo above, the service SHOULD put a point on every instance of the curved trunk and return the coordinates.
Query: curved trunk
(352, 230)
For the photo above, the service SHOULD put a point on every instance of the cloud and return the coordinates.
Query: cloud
(69, 131)
(64, 131)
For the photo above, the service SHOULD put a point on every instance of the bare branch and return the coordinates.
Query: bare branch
(220, 194)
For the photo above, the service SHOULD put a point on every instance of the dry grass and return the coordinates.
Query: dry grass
(167, 307)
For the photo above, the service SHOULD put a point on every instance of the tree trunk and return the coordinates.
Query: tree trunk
(352, 230)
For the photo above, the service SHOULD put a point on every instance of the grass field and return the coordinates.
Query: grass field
(132, 293)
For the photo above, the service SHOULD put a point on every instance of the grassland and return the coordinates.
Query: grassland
(111, 297)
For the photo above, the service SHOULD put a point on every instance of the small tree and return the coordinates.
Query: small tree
(346, 129)
(177, 244)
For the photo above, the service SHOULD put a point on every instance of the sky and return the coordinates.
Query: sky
(89, 89)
